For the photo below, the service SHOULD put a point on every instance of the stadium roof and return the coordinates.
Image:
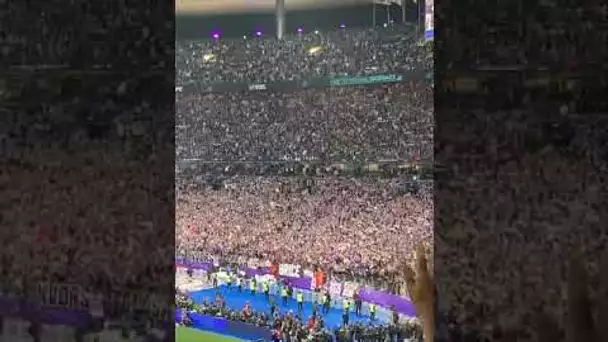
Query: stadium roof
(232, 6)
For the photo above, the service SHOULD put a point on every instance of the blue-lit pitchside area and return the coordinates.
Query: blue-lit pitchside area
(236, 300)
(221, 326)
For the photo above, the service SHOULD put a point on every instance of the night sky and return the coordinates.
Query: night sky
(232, 25)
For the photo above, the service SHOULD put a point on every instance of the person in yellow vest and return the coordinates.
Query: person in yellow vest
(252, 286)
(266, 288)
(229, 281)
(372, 311)
(300, 300)
(346, 312)
(284, 295)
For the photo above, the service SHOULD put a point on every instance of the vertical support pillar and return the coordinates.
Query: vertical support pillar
(280, 17)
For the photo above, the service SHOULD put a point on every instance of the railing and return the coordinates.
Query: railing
(305, 283)
(313, 82)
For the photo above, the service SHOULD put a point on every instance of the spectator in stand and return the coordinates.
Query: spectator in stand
(385, 122)
(379, 211)
(553, 34)
(70, 183)
(393, 50)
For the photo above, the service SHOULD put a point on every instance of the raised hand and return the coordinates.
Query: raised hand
(421, 289)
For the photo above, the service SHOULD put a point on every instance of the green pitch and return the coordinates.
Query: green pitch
(184, 334)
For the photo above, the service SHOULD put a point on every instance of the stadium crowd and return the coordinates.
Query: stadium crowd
(554, 34)
(525, 218)
(543, 197)
(70, 182)
(535, 222)
(395, 49)
(337, 223)
(355, 227)
(61, 247)
(88, 35)
(385, 122)
(362, 227)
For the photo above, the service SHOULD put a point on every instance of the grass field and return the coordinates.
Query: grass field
(184, 334)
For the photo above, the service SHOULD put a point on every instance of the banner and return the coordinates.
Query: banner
(257, 87)
(181, 271)
(15, 307)
(363, 80)
(335, 289)
(61, 307)
(401, 304)
(349, 289)
(429, 21)
(289, 270)
(204, 266)
(299, 283)
(253, 263)
(137, 300)
(71, 298)
(196, 87)
(308, 273)
(62, 296)
(262, 278)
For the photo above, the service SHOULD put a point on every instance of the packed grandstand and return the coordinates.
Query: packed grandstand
(303, 170)
(396, 49)
(546, 202)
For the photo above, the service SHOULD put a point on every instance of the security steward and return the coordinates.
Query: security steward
(372, 311)
(300, 300)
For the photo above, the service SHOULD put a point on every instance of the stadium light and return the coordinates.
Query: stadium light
(316, 32)
(342, 26)
(300, 30)
(216, 36)
(258, 33)
(314, 50)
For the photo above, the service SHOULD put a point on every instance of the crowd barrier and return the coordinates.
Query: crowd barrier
(223, 326)
(368, 295)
